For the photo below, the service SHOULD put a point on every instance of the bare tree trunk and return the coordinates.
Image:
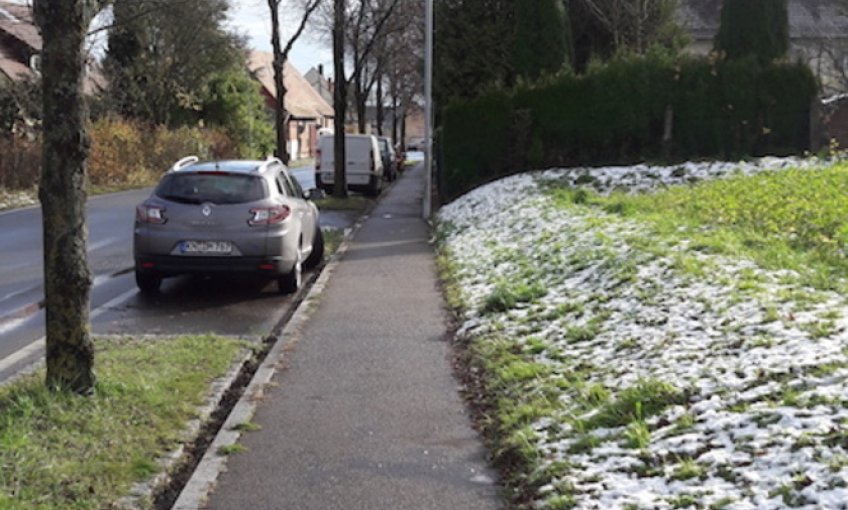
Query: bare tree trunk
(67, 279)
(403, 128)
(395, 116)
(279, 64)
(379, 103)
(281, 55)
(339, 99)
(360, 99)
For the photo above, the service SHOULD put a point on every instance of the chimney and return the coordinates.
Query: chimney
(320, 69)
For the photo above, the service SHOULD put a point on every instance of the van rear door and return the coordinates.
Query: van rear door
(359, 160)
(326, 159)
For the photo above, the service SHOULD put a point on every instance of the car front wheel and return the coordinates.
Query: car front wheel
(317, 253)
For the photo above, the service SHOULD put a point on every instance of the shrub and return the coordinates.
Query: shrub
(123, 153)
(617, 113)
(20, 161)
(131, 153)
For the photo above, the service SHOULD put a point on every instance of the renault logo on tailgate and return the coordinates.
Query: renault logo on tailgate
(207, 210)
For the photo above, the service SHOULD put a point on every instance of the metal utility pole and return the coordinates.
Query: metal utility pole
(428, 109)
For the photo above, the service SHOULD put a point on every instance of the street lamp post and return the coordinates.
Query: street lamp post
(428, 109)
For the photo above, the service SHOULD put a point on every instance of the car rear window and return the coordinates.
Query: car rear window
(217, 188)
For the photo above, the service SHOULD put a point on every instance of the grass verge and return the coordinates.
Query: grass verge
(62, 451)
(789, 219)
(351, 203)
(543, 403)
(333, 238)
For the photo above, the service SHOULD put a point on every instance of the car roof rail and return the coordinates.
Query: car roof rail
(184, 162)
(267, 164)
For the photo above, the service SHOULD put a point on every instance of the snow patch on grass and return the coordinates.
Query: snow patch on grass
(710, 384)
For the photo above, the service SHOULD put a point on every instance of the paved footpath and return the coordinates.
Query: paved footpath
(367, 413)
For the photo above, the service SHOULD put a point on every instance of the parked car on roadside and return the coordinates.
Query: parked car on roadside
(387, 152)
(240, 216)
(363, 164)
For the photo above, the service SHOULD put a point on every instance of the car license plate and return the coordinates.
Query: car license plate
(206, 247)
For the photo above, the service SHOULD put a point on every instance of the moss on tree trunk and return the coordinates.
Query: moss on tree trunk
(67, 279)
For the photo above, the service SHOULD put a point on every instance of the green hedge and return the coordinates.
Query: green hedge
(615, 114)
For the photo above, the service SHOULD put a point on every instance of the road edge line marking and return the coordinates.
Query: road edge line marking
(40, 344)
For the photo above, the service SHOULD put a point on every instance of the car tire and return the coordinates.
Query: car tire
(375, 186)
(317, 254)
(290, 282)
(148, 283)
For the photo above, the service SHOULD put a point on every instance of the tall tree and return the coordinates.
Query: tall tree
(339, 99)
(540, 43)
(157, 66)
(753, 28)
(368, 29)
(371, 17)
(613, 26)
(404, 64)
(67, 278)
(472, 47)
(281, 55)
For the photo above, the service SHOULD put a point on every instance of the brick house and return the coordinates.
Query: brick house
(308, 111)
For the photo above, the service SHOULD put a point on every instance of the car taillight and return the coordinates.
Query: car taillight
(268, 215)
(150, 214)
(317, 160)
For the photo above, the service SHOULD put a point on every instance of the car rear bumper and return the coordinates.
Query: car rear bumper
(355, 181)
(168, 265)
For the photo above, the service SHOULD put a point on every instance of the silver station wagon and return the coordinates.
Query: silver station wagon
(239, 216)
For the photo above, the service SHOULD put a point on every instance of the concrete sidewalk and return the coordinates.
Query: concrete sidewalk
(366, 414)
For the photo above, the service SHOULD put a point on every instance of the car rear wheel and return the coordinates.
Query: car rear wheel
(148, 283)
(317, 253)
(290, 282)
(374, 186)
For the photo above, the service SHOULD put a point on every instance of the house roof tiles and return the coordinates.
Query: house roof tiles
(16, 20)
(301, 99)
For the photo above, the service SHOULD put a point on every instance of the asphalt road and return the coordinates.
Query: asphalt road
(186, 305)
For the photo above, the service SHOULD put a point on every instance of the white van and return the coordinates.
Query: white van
(363, 168)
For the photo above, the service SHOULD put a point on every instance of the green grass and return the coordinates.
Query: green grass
(351, 203)
(247, 426)
(647, 398)
(232, 449)
(791, 219)
(298, 163)
(66, 452)
(333, 238)
(687, 469)
(506, 296)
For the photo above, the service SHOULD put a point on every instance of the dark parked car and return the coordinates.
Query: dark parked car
(245, 217)
(387, 152)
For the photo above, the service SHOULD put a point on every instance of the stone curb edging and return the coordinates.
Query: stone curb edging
(142, 494)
